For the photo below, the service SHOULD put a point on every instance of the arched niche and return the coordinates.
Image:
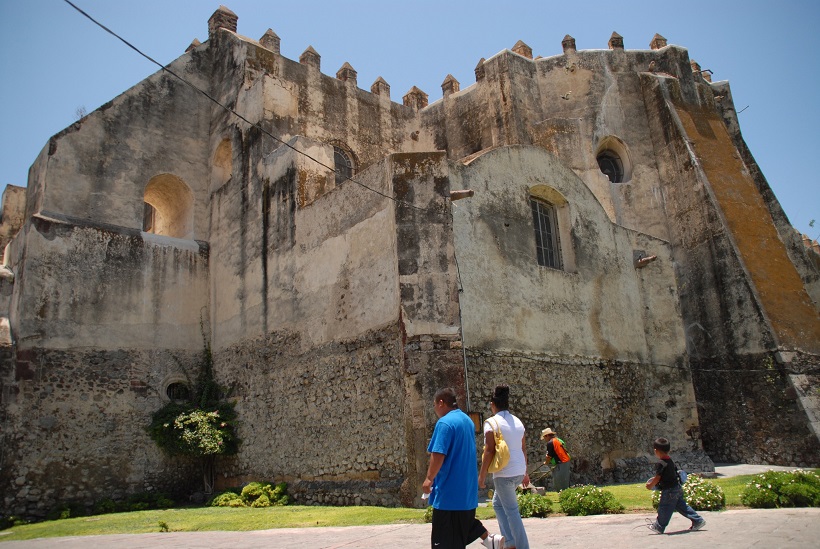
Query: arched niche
(172, 203)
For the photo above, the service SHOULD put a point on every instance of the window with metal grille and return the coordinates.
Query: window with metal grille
(547, 241)
(178, 392)
(343, 164)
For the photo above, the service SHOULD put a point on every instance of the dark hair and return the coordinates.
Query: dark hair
(501, 397)
(448, 395)
(662, 444)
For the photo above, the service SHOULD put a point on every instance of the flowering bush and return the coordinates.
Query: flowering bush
(534, 505)
(699, 493)
(182, 429)
(782, 489)
(588, 500)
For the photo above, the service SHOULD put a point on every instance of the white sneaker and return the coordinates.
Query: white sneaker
(493, 541)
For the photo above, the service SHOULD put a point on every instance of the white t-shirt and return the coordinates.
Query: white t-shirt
(513, 432)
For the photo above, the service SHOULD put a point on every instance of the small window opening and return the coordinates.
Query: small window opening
(547, 240)
(343, 165)
(149, 217)
(611, 166)
(178, 392)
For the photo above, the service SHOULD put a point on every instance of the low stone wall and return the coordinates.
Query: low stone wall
(607, 412)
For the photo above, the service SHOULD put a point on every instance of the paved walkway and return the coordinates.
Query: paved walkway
(750, 528)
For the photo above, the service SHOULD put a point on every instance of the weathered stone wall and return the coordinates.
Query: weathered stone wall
(806, 262)
(327, 420)
(283, 263)
(13, 214)
(73, 428)
(571, 105)
(333, 310)
(719, 309)
(89, 286)
(290, 98)
(750, 412)
(607, 412)
(88, 171)
(598, 305)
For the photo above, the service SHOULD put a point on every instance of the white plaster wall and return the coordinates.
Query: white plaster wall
(93, 288)
(337, 280)
(510, 302)
(97, 168)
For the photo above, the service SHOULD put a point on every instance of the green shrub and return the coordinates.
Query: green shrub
(227, 499)
(782, 489)
(699, 493)
(280, 496)
(254, 490)
(254, 494)
(531, 504)
(106, 506)
(428, 514)
(66, 510)
(262, 501)
(11, 520)
(588, 500)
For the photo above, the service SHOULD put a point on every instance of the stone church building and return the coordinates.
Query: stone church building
(622, 264)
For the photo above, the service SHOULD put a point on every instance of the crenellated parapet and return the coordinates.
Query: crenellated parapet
(224, 18)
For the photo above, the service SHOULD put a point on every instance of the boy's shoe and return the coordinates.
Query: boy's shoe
(493, 541)
(654, 526)
(697, 525)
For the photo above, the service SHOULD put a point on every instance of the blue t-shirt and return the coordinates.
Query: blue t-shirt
(455, 487)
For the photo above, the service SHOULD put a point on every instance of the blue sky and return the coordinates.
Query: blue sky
(54, 61)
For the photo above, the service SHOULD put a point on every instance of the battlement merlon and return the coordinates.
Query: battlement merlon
(638, 60)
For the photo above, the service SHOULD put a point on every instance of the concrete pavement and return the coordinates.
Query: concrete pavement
(781, 528)
(735, 529)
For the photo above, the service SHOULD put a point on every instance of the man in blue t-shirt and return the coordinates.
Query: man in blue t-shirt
(452, 479)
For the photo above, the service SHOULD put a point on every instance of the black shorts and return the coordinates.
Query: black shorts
(455, 529)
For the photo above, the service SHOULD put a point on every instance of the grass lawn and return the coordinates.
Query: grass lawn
(635, 497)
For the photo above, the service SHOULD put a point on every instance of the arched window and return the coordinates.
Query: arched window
(343, 164)
(177, 392)
(613, 160)
(611, 166)
(547, 235)
(170, 207)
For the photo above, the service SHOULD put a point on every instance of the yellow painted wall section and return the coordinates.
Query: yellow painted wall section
(783, 298)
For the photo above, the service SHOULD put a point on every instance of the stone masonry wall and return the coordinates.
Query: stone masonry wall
(73, 428)
(749, 412)
(326, 420)
(607, 412)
